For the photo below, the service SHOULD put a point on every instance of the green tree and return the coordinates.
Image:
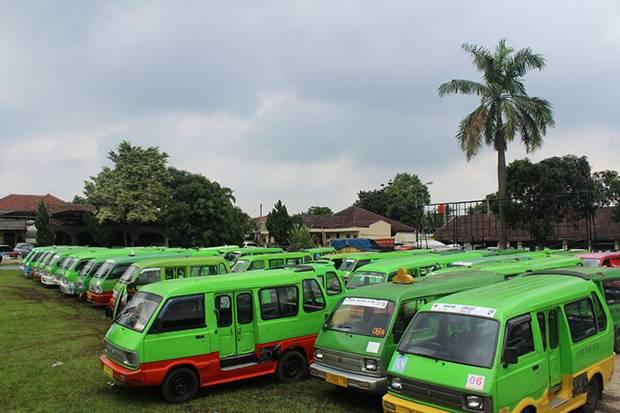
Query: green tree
(299, 237)
(373, 200)
(608, 190)
(134, 190)
(505, 110)
(549, 192)
(279, 223)
(402, 199)
(45, 235)
(201, 212)
(319, 210)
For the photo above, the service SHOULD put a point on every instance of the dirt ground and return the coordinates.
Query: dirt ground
(611, 397)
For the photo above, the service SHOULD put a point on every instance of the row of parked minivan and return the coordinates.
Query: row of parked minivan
(474, 331)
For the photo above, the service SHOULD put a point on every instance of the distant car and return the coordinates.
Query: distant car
(249, 244)
(23, 248)
(8, 253)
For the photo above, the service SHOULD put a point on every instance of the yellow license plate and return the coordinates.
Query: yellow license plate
(108, 372)
(337, 380)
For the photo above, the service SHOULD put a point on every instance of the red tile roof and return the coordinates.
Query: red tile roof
(353, 217)
(14, 203)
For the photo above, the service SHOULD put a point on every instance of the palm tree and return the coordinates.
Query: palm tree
(505, 109)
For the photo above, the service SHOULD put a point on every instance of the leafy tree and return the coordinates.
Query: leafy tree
(406, 197)
(279, 223)
(548, 192)
(373, 200)
(299, 237)
(134, 190)
(505, 109)
(608, 190)
(402, 199)
(77, 199)
(45, 235)
(200, 212)
(319, 210)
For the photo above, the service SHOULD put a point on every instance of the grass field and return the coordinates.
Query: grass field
(40, 327)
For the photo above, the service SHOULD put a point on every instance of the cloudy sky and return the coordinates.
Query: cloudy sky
(304, 101)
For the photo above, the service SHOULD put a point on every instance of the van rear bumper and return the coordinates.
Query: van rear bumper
(355, 381)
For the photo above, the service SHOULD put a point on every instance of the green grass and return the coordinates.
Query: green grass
(39, 327)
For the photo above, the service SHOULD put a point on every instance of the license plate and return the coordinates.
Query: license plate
(108, 372)
(337, 380)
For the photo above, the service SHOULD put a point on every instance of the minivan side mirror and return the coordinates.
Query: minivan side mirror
(510, 355)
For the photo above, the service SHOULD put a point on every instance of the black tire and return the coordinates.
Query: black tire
(594, 396)
(292, 366)
(180, 385)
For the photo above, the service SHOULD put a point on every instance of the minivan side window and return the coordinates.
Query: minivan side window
(359, 263)
(601, 317)
(612, 291)
(181, 272)
(222, 269)
(223, 310)
(182, 313)
(313, 296)
(257, 265)
(293, 261)
(245, 313)
(169, 273)
(333, 286)
(148, 276)
(543, 328)
(279, 302)
(276, 263)
(554, 338)
(519, 335)
(581, 321)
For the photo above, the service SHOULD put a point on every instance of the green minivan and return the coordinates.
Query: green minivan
(357, 340)
(233, 255)
(263, 261)
(536, 343)
(195, 332)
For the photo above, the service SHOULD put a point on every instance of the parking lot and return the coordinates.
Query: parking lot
(49, 348)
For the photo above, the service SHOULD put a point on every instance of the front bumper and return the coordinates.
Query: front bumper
(48, 279)
(67, 287)
(102, 299)
(354, 380)
(120, 373)
(394, 404)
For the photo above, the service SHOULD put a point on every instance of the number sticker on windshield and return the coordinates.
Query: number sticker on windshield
(378, 331)
(373, 347)
(464, 309)
(475, 382)
(399, 363)
(365, 302)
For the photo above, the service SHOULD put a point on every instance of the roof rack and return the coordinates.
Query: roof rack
(559, 272)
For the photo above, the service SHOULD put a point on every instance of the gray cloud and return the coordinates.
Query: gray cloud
(282, 99)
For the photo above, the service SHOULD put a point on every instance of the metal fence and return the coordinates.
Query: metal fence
(569, 221)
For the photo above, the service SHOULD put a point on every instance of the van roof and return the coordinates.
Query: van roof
(273, 255)
(422, 287)
(179, 260)
(237, 281)
(600, 255)
(523, 294)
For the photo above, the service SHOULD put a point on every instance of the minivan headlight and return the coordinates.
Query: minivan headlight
(131, 359)
(396, 383)
(97, 289)
(318, 354)
(370, 364)
(474, 402)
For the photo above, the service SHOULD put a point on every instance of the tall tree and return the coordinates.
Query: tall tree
(319, 210)
(505, 109)
(299, 237)
(201, 212)
(279, 223)
(373, 200)
(608, 190)
(134, 190)
(45, 235)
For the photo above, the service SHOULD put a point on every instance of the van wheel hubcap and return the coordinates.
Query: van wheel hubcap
(180, 386)
(291, 368)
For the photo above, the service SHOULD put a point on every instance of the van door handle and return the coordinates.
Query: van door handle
(200, 336)
(535, 367)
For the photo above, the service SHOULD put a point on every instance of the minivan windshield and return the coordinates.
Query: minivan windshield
(363, 316)
(103, 270)
(240, 266)
(129, 274)
(232, 256)
(590, 262)
(138, 311)
(86, 268)
(362, 278)
(458, 338)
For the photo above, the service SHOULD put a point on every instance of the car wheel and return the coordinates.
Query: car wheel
(292, 367)
(594, 396)
(180, 385)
